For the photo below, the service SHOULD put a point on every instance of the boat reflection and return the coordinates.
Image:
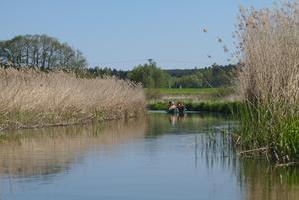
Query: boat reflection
(175, 118)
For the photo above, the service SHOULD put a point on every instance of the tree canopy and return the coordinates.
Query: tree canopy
(213, 76)
(40, 51)
(150, 75)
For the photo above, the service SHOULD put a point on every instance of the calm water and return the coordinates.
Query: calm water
(160, 157)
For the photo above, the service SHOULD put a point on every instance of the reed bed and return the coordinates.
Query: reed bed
(269, 81)
(30, 98)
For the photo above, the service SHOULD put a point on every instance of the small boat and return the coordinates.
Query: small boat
(173, 111)
(177, 111)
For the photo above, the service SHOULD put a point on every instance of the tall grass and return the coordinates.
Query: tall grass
(30, 98)
(269, 80)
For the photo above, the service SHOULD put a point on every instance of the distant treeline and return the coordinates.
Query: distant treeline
(152, 76)
(106, 71)
(213, 76)
(47, 54)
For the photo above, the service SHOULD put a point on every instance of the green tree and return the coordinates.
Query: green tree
(150, 75)
(41, 51)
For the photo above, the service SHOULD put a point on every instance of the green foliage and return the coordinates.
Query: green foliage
(153, 77)
(289, 138)
(214, 106)
(158, 106)
(214, 76)
(279, 132)
(149, 75)
(192, 81)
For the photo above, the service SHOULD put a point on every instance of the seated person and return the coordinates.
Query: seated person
(181, 107)
(172, 106)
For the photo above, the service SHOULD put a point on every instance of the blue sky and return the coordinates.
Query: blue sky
(124, 33)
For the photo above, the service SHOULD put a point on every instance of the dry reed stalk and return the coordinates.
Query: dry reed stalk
(29, 97)
(269, 51)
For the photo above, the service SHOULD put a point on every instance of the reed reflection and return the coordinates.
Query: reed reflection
(40, 152)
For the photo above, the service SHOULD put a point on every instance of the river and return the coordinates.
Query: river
(156, 157)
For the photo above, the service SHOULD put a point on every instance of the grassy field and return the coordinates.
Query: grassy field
(188, 94)
(184, 91)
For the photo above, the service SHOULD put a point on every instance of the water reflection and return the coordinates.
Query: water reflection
(267, 182)
(42, 152)
(161, 124)
(213, 147)
(175, 118)
(139, 159)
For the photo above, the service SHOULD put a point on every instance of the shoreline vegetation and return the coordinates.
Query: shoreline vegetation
(269, 83)
(30, 98)
(224, 107)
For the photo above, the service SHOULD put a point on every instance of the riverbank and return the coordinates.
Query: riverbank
(30, 98)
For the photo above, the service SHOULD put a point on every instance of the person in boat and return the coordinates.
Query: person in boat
(169, 104)
(172, 106)
(181, 107)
